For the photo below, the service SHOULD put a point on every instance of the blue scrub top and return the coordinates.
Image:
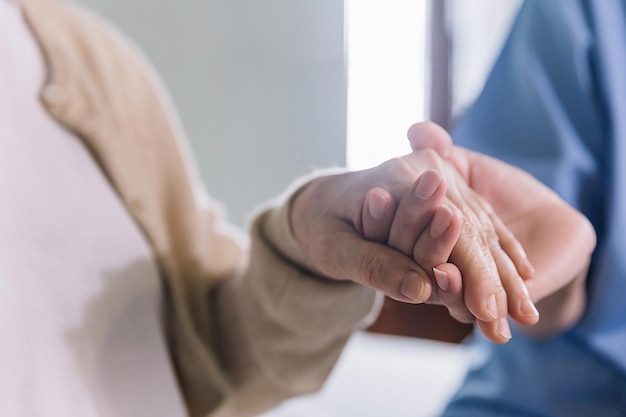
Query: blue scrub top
(555, 105)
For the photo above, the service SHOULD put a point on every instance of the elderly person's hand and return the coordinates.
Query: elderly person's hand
(327, 222)
(558, 239)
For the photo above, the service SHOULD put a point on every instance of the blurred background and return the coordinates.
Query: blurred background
(270, 90)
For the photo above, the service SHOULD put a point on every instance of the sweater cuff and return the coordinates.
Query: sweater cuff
(352, 304)
(277, 226)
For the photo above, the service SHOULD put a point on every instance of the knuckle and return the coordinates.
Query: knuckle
(431, 156)
(493, 242)
(407, 221)
(400, 171)
(415, 163)
(372, 271)
(403, 168)
(470, 245)
(484, 233)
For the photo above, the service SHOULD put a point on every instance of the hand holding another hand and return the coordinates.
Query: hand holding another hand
(558, 239)
(326, 221)
(493, 265)
(332, 214)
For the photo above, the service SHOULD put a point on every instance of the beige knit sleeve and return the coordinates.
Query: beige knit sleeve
(282, 328)
(246, 329)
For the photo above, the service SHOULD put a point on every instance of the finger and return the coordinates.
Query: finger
(377, 215)
(514, 249)
(430, 135)
(508, 242)
(497, 331)
(484, 296)
(488, 297)
(449, 292)
(415, 210)
(520, 306)
(434, 246)
(374, 265)
(434, 249)
(483, 292)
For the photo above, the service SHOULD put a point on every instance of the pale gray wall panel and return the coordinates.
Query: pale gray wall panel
(260, 85)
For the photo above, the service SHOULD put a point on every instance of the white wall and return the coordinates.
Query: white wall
(260, 85)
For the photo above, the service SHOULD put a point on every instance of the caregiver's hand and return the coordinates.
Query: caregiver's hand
(327, 222)
(558, 239)
(482, 253)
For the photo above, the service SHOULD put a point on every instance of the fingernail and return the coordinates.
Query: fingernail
(529, 309)
(441, 221)
(503, 328)
(442, 279)
(492, 307)
(376, 206)
(427, 184)
(412, 286)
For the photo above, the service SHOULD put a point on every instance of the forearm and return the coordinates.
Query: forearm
(280, 328)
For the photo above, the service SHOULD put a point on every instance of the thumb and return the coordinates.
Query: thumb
(430, 135)
(377, 215)
(379, 267)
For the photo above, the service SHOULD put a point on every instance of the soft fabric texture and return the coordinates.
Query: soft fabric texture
(247, 324)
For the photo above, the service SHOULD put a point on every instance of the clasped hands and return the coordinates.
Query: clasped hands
(448, 226)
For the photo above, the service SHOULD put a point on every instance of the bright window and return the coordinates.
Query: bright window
(386, 52)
